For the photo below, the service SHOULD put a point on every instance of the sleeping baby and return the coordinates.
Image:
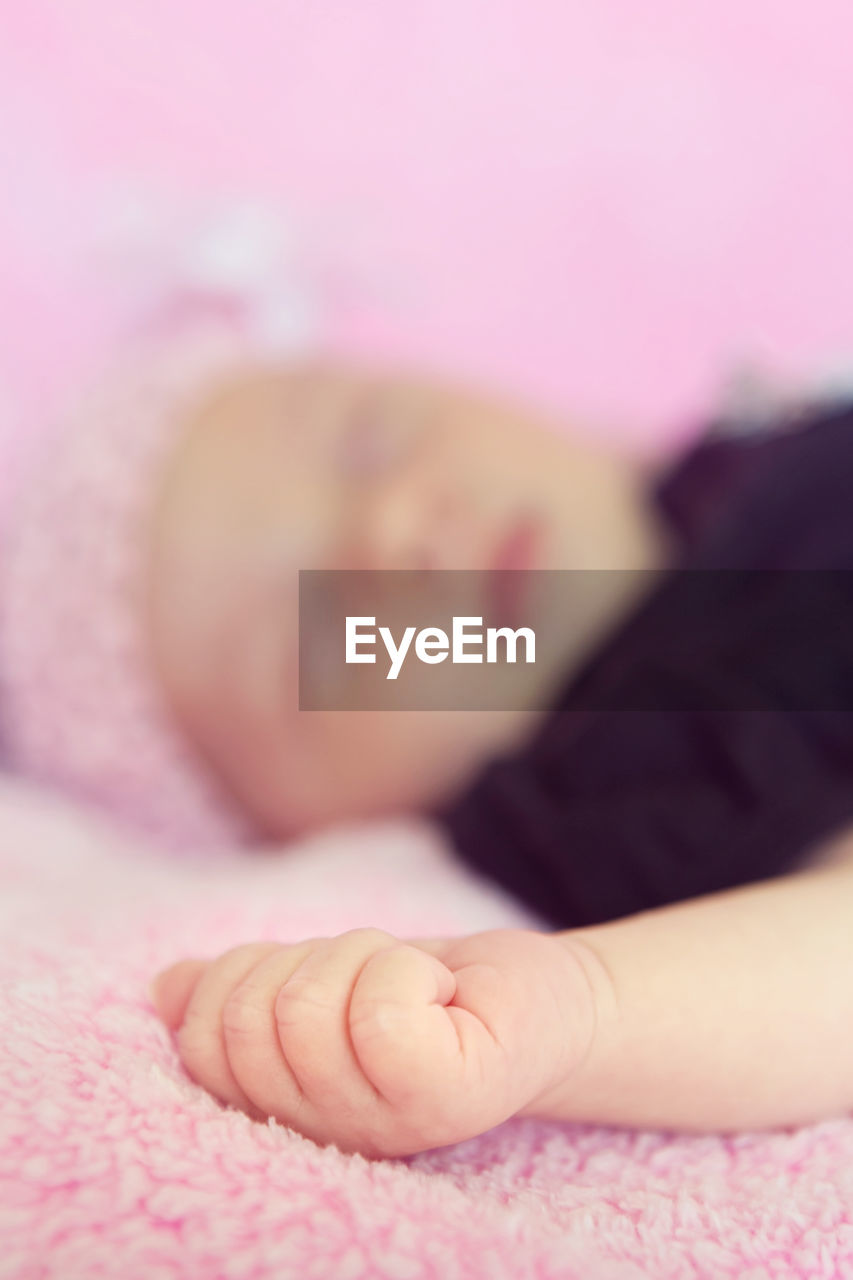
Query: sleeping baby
(692, 851)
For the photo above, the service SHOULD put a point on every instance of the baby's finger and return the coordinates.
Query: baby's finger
(309, 995)
(200, 1037)
(170, 990)
(438, 947)
(402, 1034)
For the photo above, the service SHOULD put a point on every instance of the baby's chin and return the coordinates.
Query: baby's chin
(346, 767)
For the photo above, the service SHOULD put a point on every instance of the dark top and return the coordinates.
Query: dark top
(631, 796)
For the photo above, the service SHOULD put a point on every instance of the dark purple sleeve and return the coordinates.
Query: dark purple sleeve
(633, 795)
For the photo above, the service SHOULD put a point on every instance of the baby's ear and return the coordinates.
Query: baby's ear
(171, 990)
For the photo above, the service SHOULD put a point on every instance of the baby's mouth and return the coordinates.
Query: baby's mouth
(517, 552)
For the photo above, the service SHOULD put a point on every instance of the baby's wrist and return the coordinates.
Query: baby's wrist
(586, 1007)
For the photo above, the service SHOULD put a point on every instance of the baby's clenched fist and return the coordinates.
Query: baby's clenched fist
(381, 1046)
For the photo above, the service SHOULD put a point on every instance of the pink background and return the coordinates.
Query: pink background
(602, 204)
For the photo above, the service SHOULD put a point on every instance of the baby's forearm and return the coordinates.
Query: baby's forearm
(732, 1011)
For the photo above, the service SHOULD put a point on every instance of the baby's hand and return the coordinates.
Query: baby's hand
(381, 1046)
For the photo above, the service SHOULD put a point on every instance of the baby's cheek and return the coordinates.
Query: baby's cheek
(172, 989)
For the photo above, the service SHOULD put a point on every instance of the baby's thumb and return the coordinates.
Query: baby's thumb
(171, 989)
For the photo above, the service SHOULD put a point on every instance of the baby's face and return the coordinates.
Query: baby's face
(323, 466)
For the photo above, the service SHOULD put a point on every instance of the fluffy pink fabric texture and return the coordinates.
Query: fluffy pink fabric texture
(112, 1162)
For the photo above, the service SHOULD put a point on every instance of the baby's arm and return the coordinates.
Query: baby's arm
(731, 1011)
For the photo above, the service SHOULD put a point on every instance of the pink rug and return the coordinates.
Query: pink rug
(113, 1163)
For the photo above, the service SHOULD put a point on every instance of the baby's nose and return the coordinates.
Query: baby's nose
(411, 526)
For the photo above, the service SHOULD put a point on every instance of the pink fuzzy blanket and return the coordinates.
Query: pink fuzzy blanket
(113, 1163)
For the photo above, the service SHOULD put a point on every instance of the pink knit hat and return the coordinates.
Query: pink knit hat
(206, 290)
(80, 708)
